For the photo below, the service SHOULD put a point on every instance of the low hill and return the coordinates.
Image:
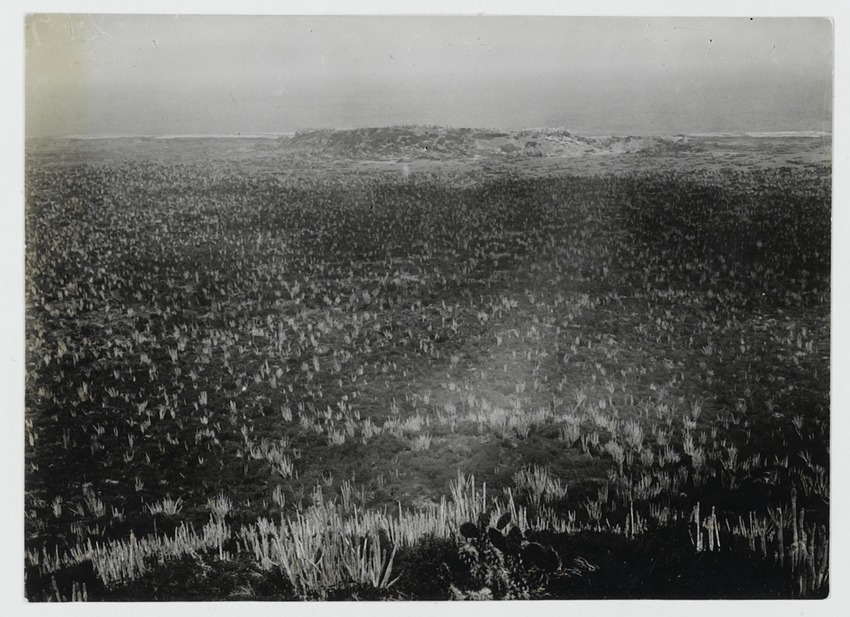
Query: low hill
(438, 143)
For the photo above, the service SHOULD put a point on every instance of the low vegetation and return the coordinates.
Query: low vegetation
(405, 386)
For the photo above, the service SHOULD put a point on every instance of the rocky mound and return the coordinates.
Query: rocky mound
(439, 143)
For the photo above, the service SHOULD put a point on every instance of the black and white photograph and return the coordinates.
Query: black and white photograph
(426, 307)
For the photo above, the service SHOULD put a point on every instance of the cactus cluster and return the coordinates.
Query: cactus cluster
(503, 562)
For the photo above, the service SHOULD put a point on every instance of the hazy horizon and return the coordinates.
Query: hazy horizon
(166, 136)
(163, 75)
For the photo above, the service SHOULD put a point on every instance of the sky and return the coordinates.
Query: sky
(167, 74)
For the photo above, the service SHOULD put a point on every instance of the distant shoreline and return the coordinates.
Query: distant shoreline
(204, 136)
(754, 134)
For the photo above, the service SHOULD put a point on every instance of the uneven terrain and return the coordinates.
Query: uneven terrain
(417, 363)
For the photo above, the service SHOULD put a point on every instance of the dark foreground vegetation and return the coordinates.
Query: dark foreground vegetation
(387, 386)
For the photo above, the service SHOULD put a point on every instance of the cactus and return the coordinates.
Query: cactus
(503, 563)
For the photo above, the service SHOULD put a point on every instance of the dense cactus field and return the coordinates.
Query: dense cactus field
(247, 385)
